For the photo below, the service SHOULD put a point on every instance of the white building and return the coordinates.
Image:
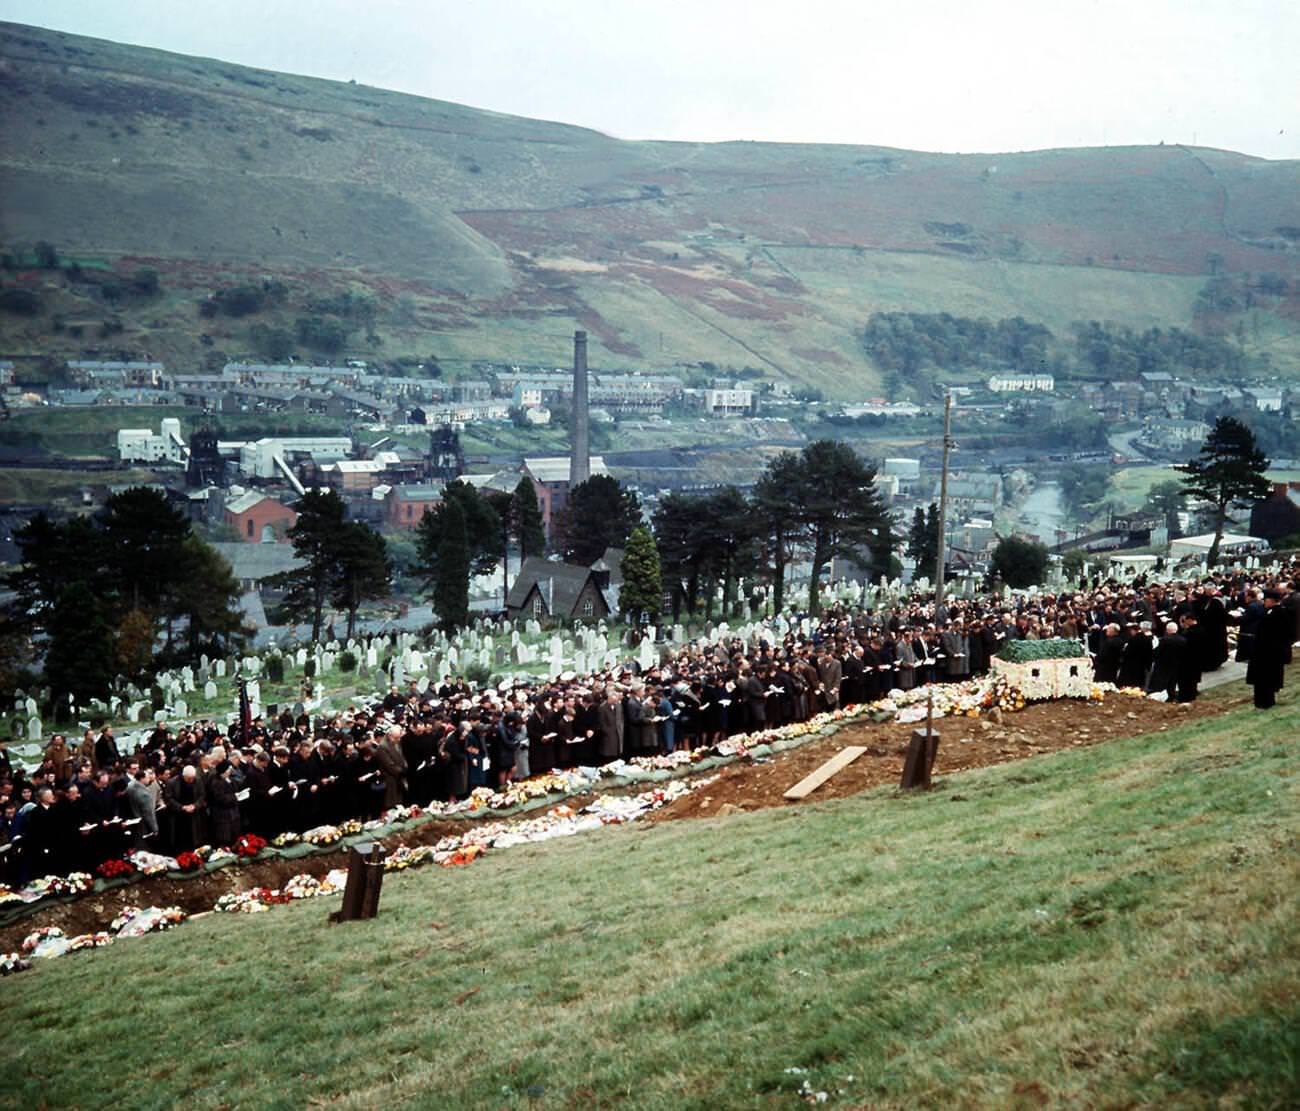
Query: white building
(1022, 383)
(1265, 399)
(264, 458)
(728, 403)
(140, 445)
(909, 470)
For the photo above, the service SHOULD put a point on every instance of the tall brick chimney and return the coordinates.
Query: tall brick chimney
(580, 450)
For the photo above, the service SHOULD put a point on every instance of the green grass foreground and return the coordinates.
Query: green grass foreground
(1112, 926)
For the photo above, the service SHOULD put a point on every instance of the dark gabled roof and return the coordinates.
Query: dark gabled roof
(559, 584)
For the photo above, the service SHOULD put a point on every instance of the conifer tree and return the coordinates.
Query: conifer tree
(526, 521)
(641, 595)
(1229, 468)
(451, 576)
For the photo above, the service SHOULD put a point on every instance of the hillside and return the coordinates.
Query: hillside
(481, 235)
(1106, 926)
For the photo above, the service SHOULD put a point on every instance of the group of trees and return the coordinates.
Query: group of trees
(98, 594)
(822, 500)
(906, 344)
(344, 563)
(466, 535)
(907, 341)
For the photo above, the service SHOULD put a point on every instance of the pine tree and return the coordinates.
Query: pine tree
(316, 537)
(837, 503)
(641, 595)
(80, 656)
(526, 521)
(451, 581)
(364, 571)
(775, 492)
(1229, 468)
(1019, 562)
(599, 514)
(923, 540)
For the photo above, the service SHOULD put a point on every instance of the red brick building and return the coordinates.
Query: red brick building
(405, 505)
(259, 519)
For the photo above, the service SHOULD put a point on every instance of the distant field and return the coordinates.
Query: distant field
(83, 430)
(1132, 484)
(92, 429)
(19, 485)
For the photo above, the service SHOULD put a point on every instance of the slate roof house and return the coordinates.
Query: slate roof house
(544, 589)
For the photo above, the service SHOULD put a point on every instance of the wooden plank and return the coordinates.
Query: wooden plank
(836, 763)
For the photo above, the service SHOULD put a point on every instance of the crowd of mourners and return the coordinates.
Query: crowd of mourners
(202, 783)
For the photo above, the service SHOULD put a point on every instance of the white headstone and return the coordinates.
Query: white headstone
(219, 669)
(209, 690)
(34, 729)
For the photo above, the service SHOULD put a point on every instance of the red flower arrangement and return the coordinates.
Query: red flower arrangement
(249, 845)
(115, 869)
(189, 862)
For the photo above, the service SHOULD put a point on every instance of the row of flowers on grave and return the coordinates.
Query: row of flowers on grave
(51, 941)
(451, 851)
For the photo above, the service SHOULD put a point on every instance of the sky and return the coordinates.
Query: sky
(939, 75)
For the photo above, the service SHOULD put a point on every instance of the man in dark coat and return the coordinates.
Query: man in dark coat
(1272, 645)
(1192, 663)
(183, 796)
(1105, 665)
(1251, 616)
(1212, 629)
(1291, 605)
(223, 807)
(1168, 662)
(392, 765)
(609, 732)
(1135, 663)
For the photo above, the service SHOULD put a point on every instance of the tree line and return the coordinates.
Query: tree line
(905, 344)
(122, 592)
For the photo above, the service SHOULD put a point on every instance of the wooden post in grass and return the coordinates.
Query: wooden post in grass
(365, 878)
(921, 751)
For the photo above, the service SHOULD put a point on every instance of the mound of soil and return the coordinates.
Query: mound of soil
(964, 743)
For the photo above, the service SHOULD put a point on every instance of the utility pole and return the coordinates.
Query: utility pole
(943, 502)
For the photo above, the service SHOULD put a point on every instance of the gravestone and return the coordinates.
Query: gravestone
(219, 669)
(209, 690)
(34, 729)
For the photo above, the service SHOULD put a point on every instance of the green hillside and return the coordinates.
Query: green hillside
(1109, 926)
(481, 235)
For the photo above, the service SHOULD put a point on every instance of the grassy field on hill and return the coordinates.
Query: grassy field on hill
(1110, 926)
(480, 235)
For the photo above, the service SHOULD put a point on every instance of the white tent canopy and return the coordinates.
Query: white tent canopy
(1198, 546)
